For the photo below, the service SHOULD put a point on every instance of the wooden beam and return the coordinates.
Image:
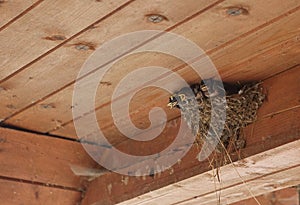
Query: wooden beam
(113, 189)
(262, 173)
(17, 192)
(42, 159)
(288, 196)
(276, 126)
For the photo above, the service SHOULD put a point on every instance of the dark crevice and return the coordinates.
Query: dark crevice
(21, 14)
(91, 72)
(4, 125)
(42, 184)
(64, 42)
(193, 60)
(280, 72)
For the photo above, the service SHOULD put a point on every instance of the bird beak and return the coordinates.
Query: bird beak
(170, 105)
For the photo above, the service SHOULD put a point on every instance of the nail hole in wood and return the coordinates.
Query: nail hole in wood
(107, 83)
(156, 18)
(236, 11)
(10, 106)
(47, 106)
(84, 46)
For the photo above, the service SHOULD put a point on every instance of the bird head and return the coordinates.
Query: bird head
(181, 98)
(176, 100)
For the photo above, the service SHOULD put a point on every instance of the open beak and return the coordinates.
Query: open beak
(171, 105)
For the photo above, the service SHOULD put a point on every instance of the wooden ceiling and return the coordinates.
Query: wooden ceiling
(45, 43)
(40, 58)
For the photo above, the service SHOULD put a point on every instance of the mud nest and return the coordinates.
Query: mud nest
(241, 110)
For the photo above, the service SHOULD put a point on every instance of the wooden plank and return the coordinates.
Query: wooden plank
(261, 64)
(64, 97)
(275, 87)
(263, 129)
(68, 57)
(270, 182)
(288, 196)
(250, 168)
(46, 30)
(270, 131)
(13, 193)
(42, 159)
(10, 10)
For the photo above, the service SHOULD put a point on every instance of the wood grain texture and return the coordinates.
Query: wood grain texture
(10, 10)
(286, 92)
(269, 132)
(251, 168)
(274, 83)
(45, 27)
(288, 196)
(274, 59)
(15, 193)
(63, 99)
(64, 64)
(266, 184)
(41, 159)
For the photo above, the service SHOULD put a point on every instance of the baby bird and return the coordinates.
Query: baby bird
(189, 99)
(205, 89)
(194, 102)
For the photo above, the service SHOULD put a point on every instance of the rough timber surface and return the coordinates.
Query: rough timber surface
(58, 117)
(63, 64)
(46, 26)
(11, 10)
(41, 159)
(17, 192)
(279, 125)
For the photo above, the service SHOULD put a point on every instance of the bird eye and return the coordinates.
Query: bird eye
(204, 88)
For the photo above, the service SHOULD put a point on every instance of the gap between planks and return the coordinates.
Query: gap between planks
(64, 42)
(290, 75)
(42, 159)
(22, 193)
(36, 132)
(72, 82)
(239, 183)
(20, 15)
(270, 22)
(189, 167)
(41, 184)
(91, 26)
